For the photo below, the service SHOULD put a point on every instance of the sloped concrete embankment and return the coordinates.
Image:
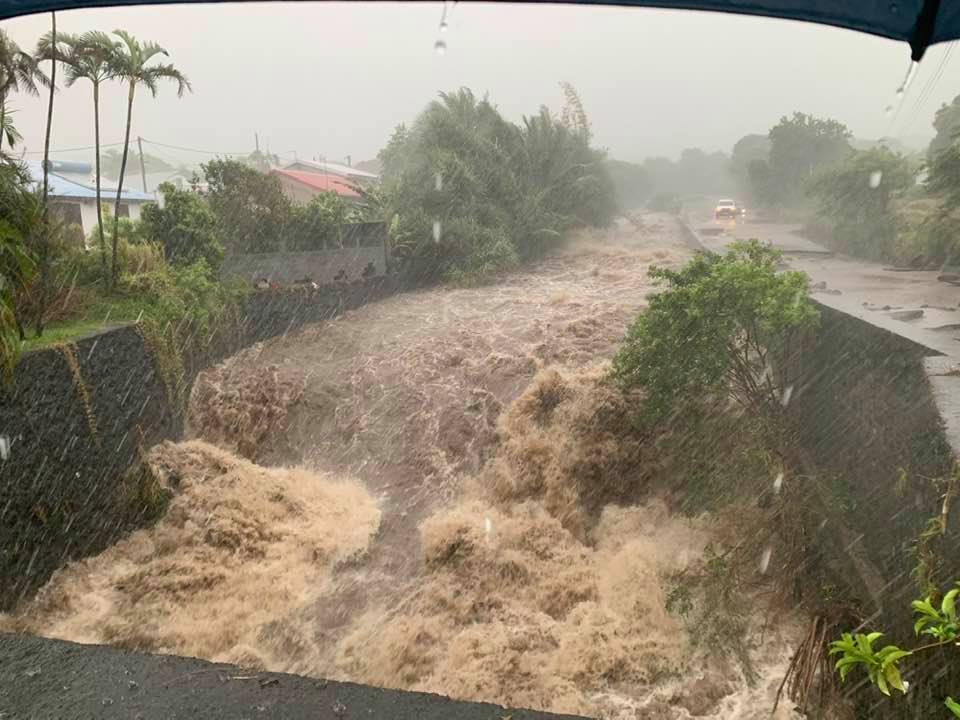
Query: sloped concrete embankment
(76, 418)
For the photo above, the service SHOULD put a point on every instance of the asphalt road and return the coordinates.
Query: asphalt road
(912, 304)
(44, 679)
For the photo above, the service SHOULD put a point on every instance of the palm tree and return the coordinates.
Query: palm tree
(131, 63)
(19, 72)
(45, 246)
(9, 131)
(88, 56)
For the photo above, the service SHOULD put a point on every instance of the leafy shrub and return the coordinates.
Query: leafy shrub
(489, 252)
(715, 329)
(182, 306)
(250, 207)
(318, 224)
(857, 196)
(185, 227)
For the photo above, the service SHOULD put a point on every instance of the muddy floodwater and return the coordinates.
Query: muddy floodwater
(438, 492)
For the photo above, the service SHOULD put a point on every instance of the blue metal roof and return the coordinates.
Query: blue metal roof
(63, 187)
(919, 22)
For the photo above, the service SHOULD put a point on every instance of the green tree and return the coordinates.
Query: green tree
(392, 156)
(800, 145)
(19, 72)
(9, 131)
(465, 192)
(946, 122)
(88, 56)
(631, 182)
(45, 241)
(250, 207)
(857, 196)
(939, 232)
(747, 150)
(319, 223)
(715, 329)
(19, 210)
(695, 172)
(185, 227)
(132, 63)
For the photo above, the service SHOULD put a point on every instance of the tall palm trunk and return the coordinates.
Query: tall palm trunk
(45, 230)
(123, 168)
(96, 143)
(3, 118)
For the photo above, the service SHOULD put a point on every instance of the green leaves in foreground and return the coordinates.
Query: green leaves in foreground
(939, 624)
(881, 665)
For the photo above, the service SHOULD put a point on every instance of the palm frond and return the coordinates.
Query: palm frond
(167, 72)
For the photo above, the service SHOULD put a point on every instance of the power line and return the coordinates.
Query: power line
(76, 149)
(186, 149)
(930, 85)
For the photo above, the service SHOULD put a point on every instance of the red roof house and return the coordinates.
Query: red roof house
(302, 186)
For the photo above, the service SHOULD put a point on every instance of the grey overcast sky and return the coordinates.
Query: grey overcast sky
(334, 78)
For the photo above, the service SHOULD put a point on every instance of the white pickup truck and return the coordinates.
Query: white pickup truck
(727, 209)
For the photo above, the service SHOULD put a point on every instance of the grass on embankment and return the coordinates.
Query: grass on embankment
(100, 314)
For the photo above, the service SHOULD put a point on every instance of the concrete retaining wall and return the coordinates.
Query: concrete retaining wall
(76, 417)
(868, 421)
(320, 266)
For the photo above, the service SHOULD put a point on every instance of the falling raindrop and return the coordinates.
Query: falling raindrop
(4, 447)
(438, 181)
(778, 483)
(787, 394)
(875, 177)
(488, 528)
(440, 47)
(436, 231)
(765, 560)
(444, 26)
(888, 110)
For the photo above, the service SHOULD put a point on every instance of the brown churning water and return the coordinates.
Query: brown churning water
(448, 498)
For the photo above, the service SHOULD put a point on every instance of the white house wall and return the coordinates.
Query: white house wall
(88, 215)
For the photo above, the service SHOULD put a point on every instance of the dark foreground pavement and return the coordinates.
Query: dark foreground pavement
(44, 679)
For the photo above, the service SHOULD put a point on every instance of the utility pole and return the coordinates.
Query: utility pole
(143, 168)
(256, 141)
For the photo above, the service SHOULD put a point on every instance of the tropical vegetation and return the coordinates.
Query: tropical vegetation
(466, 193)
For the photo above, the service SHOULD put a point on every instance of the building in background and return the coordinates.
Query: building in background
(355, 175)
(301, 187)
(76, 203)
